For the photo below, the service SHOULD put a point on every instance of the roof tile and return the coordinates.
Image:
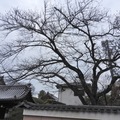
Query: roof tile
(72, 108)
(13, 92)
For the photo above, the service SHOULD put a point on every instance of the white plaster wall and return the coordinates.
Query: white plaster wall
(68, 97)
(72, 115)
(43, 118)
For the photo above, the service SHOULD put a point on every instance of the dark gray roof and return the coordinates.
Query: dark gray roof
(72, 108)
(16, 92)
(66, 86)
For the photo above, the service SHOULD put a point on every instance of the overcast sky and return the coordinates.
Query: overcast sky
(6, 5)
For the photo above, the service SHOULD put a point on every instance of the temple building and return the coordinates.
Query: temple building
(11, 96)
(67, 96)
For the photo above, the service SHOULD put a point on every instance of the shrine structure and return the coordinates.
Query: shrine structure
(13, 95)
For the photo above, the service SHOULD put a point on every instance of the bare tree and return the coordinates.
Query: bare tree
(61, 45)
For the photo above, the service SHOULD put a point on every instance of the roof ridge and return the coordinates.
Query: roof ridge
(73, 108)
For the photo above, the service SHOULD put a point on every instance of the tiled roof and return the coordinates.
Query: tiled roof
(16, 92)
(74, 84)
(66, 86)
(71, 108)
